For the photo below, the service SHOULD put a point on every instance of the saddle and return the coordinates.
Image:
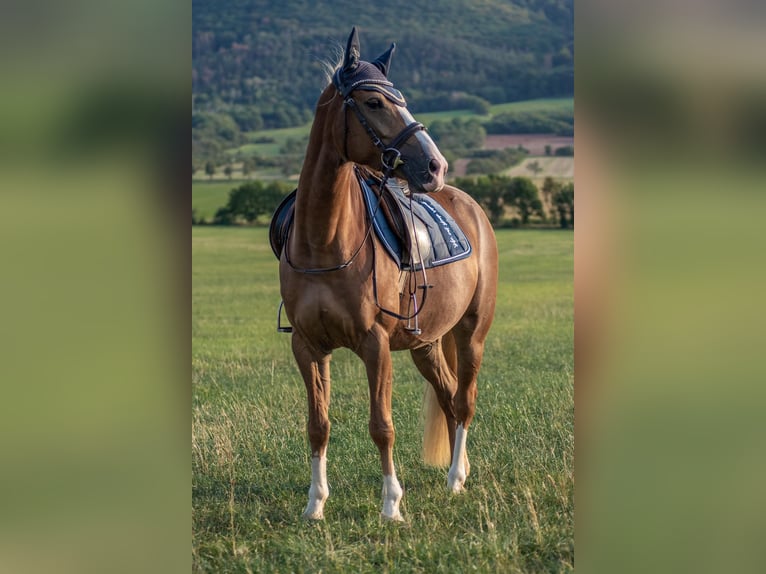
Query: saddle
(415, 230)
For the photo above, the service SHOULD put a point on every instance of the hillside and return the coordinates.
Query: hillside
(257, 64)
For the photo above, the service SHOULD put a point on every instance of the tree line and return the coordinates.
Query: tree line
(514, 201)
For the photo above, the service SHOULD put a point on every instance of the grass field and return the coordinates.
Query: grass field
(251, 460)
(208, 196)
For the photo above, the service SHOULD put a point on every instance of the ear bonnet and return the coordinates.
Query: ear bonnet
(356, 74)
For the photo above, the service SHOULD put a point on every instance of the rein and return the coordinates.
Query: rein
(348, 262)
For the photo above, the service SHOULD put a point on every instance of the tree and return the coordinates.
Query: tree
(228, 170)
(488, 191)
(547, 149)
(250, 200)
(458, 135)
(223, 217)
(564, 201)
(534, 167)
(549, 189)
(244, 201)
(210, 169)
(522, 194)
(248, 166)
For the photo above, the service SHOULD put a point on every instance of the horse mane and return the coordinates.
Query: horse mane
(329, 67)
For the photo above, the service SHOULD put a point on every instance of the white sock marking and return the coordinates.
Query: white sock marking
(319, 491)
(457, 473)
(392, 495)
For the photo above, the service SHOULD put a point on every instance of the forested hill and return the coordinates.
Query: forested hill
(259, 61)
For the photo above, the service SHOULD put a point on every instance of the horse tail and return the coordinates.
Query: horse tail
(436, 447)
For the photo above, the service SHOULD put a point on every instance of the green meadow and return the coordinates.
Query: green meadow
(251, 459)
(208, 196)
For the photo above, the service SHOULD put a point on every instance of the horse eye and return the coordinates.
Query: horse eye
(374, 104)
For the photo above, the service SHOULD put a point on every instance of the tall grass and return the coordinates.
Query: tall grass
(251, 467)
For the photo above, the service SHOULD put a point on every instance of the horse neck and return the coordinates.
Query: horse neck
(329, 214)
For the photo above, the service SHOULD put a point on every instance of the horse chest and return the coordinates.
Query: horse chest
(324, 312)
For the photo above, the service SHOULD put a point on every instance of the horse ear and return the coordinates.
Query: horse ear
(351, 57)
(383, 62)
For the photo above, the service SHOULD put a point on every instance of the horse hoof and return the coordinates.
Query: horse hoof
(455, 484)
(393, 518)
(457, 489)
(313, 514)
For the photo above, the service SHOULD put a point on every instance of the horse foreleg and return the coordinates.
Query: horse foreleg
(377, 358)
(315, 369)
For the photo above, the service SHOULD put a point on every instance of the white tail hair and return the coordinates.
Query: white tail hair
(436, 449)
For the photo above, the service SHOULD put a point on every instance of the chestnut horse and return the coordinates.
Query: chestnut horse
(337, 293)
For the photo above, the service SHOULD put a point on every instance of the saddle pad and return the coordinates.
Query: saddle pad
(447, 242)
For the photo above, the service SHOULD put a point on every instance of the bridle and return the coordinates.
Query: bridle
(390, 156)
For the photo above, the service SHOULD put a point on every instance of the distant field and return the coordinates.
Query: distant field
(250, 455)
(556, 167)
(535, 143)
(279, 136)
(236, 174)
(547, 105)
(207, 197)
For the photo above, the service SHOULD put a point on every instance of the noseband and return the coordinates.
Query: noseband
(390, 156)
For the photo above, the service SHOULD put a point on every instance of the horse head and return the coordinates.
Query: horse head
(377, 129)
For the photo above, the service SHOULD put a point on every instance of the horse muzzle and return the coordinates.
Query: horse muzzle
(437, 170)
(425, 172)
(428, 174)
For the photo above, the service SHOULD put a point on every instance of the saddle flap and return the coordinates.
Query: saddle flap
(281, 222)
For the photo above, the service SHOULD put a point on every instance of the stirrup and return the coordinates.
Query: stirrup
(414, 329)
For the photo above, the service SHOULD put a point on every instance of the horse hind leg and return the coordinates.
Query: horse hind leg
(469, 337)
(437, 363)
(315, 369)
(450, 352)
